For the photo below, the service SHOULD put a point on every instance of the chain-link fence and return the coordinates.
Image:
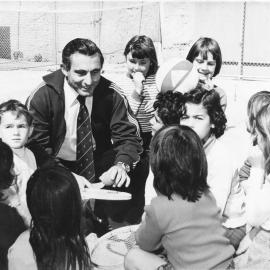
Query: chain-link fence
(33, 33)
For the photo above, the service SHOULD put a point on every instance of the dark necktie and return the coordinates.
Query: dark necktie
(85, 161)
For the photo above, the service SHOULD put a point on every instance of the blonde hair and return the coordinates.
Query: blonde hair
(255, 103)
(262, 126)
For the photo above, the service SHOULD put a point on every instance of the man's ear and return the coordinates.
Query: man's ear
(64, 70)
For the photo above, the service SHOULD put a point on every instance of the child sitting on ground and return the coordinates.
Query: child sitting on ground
(11, 221)
(204, 114)
(15, 129)
(169, 108)
(191, 230)
(256, 244)
(55, 239)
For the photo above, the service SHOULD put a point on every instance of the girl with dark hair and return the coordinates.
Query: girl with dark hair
(183, 218)
(206, 117)
(11, 223)
(205, 55)
(55, 240)
(139, 83)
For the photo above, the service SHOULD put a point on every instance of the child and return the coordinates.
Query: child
(11, 223)
(139, 82)
(205, 116)
(255, 103)
(183, 218)
(205, 55)
(15, 129)
(257, 203)
(169, 108)
(55, 239)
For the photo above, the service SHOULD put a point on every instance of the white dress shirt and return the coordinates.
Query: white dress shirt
(72, 107)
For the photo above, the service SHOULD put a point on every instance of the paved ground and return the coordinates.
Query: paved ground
(18, 84)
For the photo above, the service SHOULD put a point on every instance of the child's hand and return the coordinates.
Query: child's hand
(138, 79)
(24, 213)
(256, 158)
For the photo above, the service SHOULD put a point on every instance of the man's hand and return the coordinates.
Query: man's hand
(116, 176)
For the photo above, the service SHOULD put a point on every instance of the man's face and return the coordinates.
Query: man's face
(84, 73)
(14, 129)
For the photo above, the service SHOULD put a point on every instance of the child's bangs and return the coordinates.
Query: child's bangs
(204, 52)
(140, 53)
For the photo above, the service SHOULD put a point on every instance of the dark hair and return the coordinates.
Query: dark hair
(178, 163)
(6, 163)
(170, 107)
(16, 106)
(143, 47)
(54, 202)
(211, 102)
(82, 46)
(204, 45)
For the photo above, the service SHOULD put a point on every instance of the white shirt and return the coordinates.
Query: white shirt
(220, 170)
(258, 200)
(24, 166)
(72, 107)
(21, 255)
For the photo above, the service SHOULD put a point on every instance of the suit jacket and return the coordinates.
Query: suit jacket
(113, 123)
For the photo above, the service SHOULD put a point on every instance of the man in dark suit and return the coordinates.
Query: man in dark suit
(115, 140)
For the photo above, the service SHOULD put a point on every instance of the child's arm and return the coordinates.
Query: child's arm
(148, 235)
(258, 205)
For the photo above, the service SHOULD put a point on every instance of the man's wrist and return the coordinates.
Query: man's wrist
(125, 166)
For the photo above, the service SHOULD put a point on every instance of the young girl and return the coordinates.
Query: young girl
(55, 239)
(183, 218)
(11, 223)
(205, 116)
(257, 203)
(139, 82)
(205, 54)
(255, 103)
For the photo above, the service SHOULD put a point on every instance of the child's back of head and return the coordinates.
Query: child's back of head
(178, 163)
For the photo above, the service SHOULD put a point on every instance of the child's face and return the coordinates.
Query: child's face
(205, 67)
(155, 123)
(138, 65)
(14, 130)
(197, 118)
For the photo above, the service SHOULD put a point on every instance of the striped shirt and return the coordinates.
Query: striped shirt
(149, 94)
